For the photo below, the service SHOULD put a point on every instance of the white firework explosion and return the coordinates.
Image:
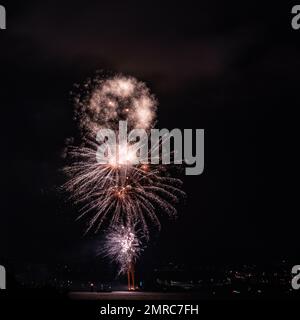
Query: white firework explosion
(122, 245)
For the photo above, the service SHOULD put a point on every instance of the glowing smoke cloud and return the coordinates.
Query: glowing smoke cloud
(110, 100)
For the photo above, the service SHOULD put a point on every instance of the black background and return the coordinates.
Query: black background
(229, 68)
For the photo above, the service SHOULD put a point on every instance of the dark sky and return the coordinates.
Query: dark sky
(230, 69)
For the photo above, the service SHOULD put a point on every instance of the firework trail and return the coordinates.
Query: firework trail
(120, 191)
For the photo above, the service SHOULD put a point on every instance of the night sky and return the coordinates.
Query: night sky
(231, 70)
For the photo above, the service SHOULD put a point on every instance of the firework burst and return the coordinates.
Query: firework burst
(123, 246)
(120, 191)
